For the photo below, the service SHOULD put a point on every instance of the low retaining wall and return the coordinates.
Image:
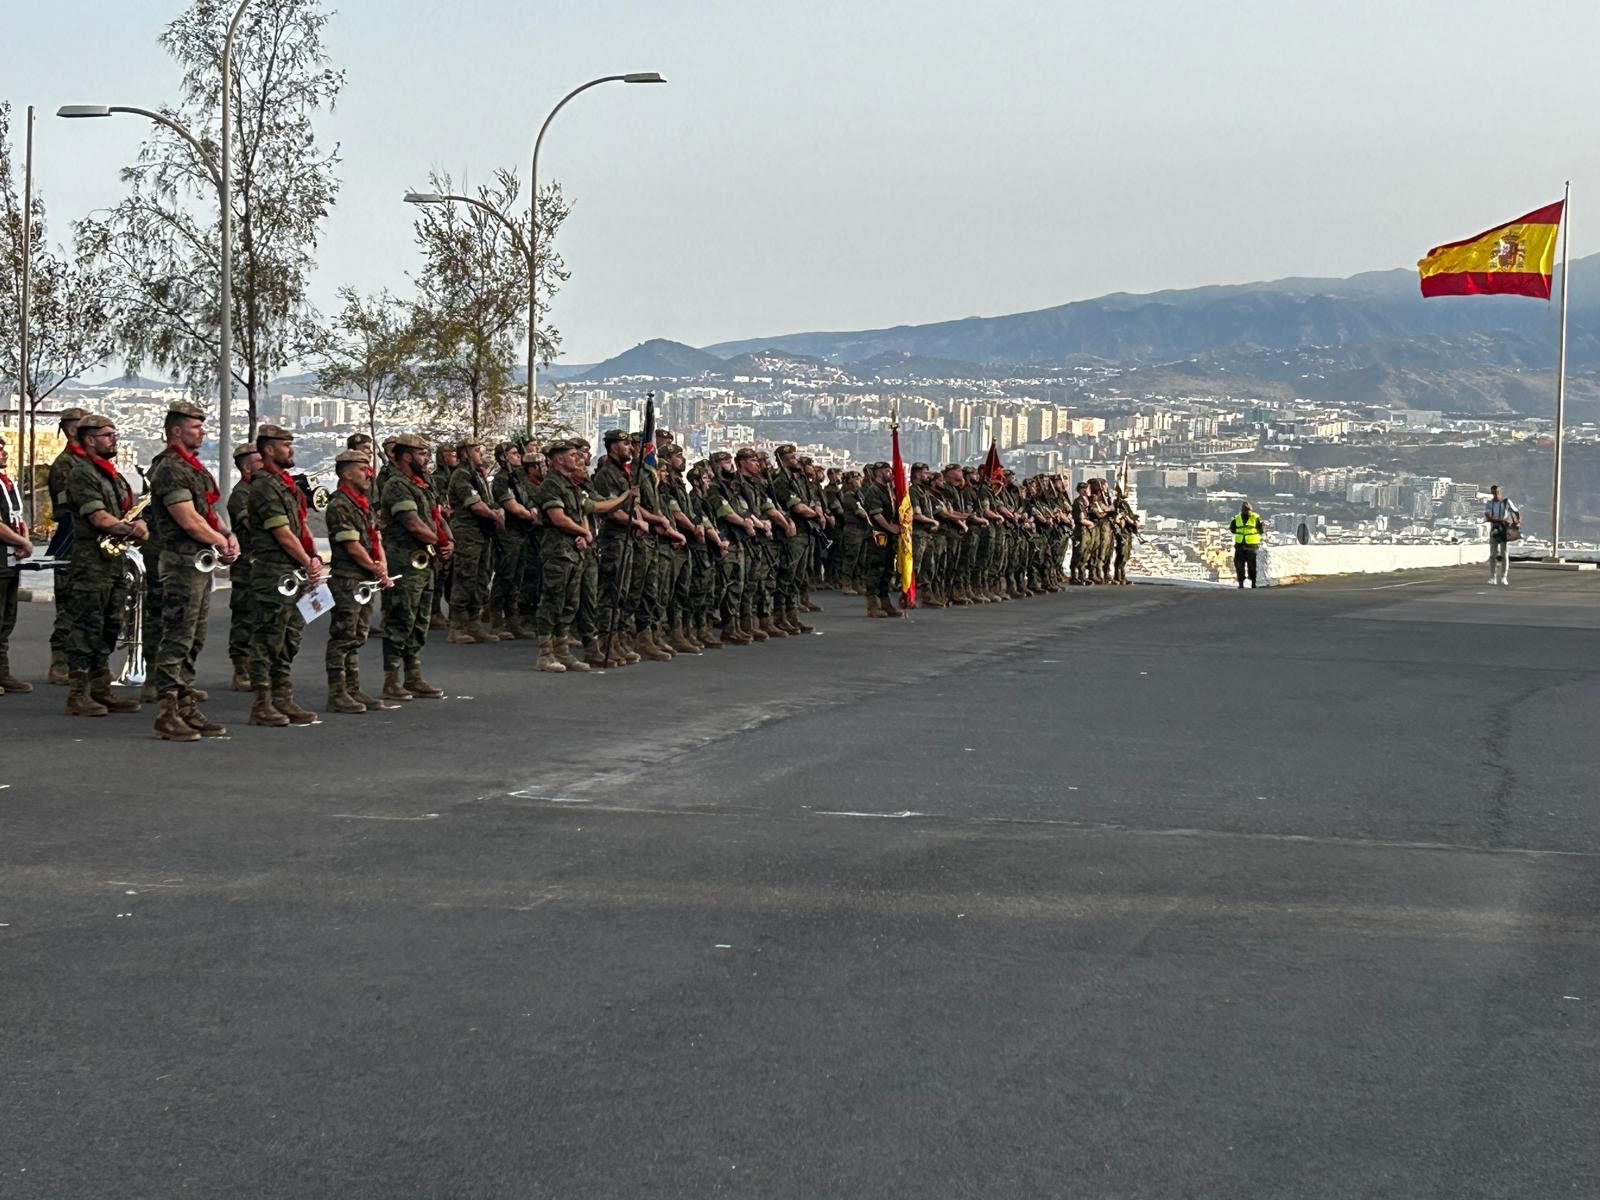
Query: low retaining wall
(1286, 564)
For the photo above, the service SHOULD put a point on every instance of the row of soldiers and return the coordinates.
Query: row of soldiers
(605, 563)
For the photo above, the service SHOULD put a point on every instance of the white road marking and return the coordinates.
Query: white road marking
(897, 816)
(380, 817)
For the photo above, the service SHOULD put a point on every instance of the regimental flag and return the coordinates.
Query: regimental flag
(904, 566)
(992, 468)
(647, 439)
(1516, 258)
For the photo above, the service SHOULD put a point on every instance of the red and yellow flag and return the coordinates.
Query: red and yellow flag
(1515, 258)
(904, 566)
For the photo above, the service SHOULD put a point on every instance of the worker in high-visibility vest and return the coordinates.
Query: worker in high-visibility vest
(1246, 527)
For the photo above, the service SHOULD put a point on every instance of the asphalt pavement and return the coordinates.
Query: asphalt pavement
(1138, 892)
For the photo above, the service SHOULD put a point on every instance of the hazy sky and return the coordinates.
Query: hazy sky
(835, 164)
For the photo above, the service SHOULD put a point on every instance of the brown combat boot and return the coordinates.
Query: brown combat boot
(752, 629)
(652, 649)
(339, 698)
(519, 628)
(79, 703)
(262, 712)
(189, 713)
(806, 605)
(352, 686)
(438, 621)
(770, 626)
(796, 625)
(478, 626)
(547, 660)
(147, 690)
(564, 656)
(873, 608)
(609, 652)
(459, 635)
(680, 641)
(170, 727)
(283, 701)
(630, 654)
(707, 636)
(417, 685)
(733, 634)
(593, 654)
(241, 675)
(8, 683)
(100, 692)
(393, 689)
(58, 674)
(649, 637)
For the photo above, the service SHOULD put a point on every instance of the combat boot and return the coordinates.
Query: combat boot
(752, 627)
(806, 605)
(79, 703)
(147, 691)
(497, 627)
(520, 628)
(733, 635)
(627, 643)
(564, 655)
(796, 625)
(680, 641)
(458, 635)
(100, 692)
(262, 712)
(478, 628)
(283, 701)
(8, 683)
(189, 713)
(58, 674)
(417, 685)
(170, 727)
(438, 621)
(651, 649)
(339, 698)
(392, 687)
(707, 636)
(934, 600)
(609, 652)
(241, 675)
(593, 654)
(547, 660)
(352, 685)
(873, 608)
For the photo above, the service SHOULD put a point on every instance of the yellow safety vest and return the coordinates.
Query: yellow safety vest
(1246, 530)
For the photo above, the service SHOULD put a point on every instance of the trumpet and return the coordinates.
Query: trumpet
(206, 561)
(423, 559)
(293, 583)
(115, 545)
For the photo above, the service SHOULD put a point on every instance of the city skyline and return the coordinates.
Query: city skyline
(908, 164)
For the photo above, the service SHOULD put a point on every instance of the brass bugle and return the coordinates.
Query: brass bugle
(422, 559)
(206, 561)
(365, 591)
(113, 545)
(292, 583)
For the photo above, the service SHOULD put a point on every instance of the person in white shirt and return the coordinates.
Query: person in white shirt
(1503, 517)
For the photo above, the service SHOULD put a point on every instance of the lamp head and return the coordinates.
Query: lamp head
(643, 77)
(83, 110)
(424, 198)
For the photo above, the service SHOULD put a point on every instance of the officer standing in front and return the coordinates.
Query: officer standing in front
(1246, 529)
(281, 549)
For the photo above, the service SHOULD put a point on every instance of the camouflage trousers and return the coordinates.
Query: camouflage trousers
(241, 613)
(278, 625)
(794, 571)
(185, 602)
(407, 608)
(701, 584)
(96, 602)
(510, 555)
(616, 568)
(588, 618)
(532, 579)
(730, 583)
(559, 591)
(348, 627)
(758, 578)
(472, 565)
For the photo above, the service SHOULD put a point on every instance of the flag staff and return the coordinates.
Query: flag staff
(1561, 375)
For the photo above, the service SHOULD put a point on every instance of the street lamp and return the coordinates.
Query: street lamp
(224, 182)
(533, 220)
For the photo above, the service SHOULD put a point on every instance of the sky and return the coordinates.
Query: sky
(844, 164)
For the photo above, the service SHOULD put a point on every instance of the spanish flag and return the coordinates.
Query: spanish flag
(904, 566)
(1515, 258)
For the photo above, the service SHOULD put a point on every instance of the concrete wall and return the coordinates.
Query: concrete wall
(1285, 564)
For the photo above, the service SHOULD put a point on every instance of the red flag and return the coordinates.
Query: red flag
(992, 468)
(904, 565)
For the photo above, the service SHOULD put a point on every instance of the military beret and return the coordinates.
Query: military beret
(745, 452)
(786, 448)
(72, 414)
(388, 442)
(182, 408)
(670, 449)
(345, 457)
(275, 433)
(94, 421)
(561, 446)
(720, 456)
(613, 435)
(243, 450)
(358, 439)
(411, 441)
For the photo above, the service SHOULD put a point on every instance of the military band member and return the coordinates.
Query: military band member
(475, 521)
(443, 568)
(101, 503)
(61, 544)
(508, 490)
(241, 609)
(187, 526)
(281, 551)
(415, 538)
(356, 560)
(15, 548)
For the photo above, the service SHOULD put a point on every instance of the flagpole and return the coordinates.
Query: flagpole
(1561, 375)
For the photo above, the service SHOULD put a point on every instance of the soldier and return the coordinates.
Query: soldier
(1125, 526)
(651, 555)
(681, 631)
(878, 501)
(241, 611)
(833, 502)
(533, 472)
(356, 559)
(926, 542)
(760, 567)
(620, 529)
(15, 548)
(588, 621)
(186, 521)
(791, 494)
(725, 501)
(564, 536)
(96, 593)
(705, 555)
(1080, 534)
(508, 490)
(281, 549)
(61, 544)
(444, 568)
(415, 538)
(475, 520)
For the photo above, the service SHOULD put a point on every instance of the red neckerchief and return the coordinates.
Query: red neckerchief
(440, 529)
(365, 505)
(212, 494)
(109, 469)
(306, 543)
